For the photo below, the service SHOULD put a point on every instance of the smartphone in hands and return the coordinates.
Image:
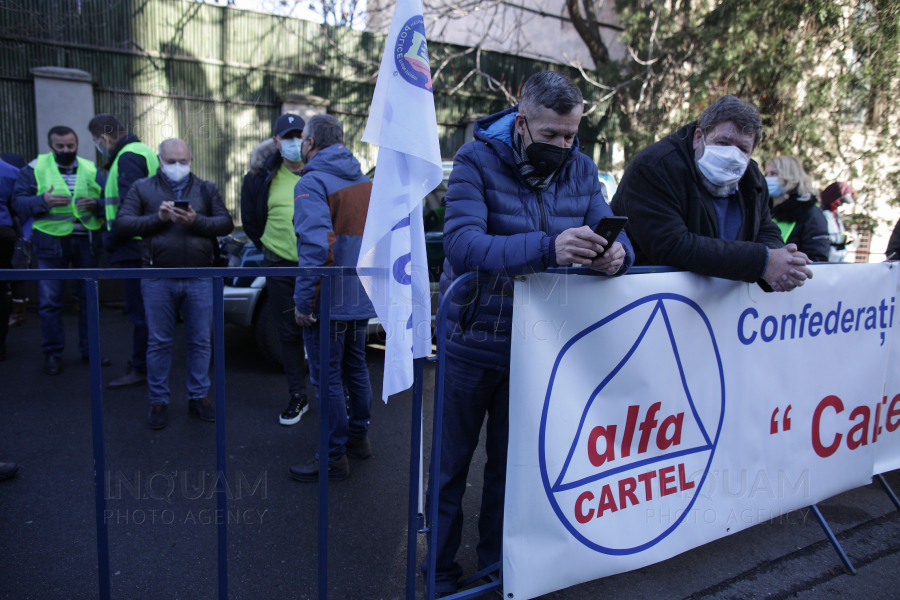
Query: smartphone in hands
(609, 229)
(182, 204)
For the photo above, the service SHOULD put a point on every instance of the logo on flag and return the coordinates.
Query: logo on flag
(411, 54)
(393, 264)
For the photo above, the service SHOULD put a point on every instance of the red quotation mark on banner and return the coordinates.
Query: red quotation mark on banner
(786, 421)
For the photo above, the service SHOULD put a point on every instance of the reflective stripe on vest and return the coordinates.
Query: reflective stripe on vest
(60, 221)
(111, 192)
(786, 228)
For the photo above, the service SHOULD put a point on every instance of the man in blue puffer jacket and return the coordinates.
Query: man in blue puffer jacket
(331, 201)
(522, 198)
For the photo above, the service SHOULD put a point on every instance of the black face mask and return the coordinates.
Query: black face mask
(545, 158)
(65, 158)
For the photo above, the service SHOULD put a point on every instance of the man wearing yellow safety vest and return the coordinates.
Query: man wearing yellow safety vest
(61, 192)
(130, 160)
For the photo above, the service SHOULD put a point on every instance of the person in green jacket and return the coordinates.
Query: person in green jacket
(61, 192)
(129, 161)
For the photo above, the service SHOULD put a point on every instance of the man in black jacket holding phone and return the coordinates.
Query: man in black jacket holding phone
(173, 237)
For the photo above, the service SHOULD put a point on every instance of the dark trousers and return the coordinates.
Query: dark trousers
(77, 254)
(7, 244)
(134, 308)
(470, 392)
(346, 362)
(290, 335)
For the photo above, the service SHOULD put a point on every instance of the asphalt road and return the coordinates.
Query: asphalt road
(162, 528)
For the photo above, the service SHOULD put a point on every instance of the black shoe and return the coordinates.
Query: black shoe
(158, 416)
(360, 449)
(52, 365)
(296, 407)
(202, 408)
(338, 470)
(104, 362)
(3, 350)
(7, 470)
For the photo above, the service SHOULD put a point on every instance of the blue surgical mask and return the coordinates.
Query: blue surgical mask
(290, 149)
(102, 151)
(775, 189)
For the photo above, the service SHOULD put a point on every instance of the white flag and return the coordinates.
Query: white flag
(402, 123)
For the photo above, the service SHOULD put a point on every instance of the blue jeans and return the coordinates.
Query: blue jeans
(76, 252)
(162, 300)
(346, 361)
(134, 308)
(470, 392)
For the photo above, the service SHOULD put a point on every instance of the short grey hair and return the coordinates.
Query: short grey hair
(730, 108)
(552, 90)
(325, 129)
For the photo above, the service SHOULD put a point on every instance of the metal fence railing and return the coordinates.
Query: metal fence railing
(417, 523)
(91, 278)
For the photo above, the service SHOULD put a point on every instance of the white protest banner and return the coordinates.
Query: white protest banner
(886, 415)
(655, 413)
(402, 123)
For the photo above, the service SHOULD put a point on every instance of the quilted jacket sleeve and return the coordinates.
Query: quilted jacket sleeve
(467, 244)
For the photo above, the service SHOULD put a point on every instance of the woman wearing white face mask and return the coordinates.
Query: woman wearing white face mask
(795, 207)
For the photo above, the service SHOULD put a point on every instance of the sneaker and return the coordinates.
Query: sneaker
(296, 407)
(338, 470)
(129, 379)
(158, 416)
(202, 408)
(359, 449)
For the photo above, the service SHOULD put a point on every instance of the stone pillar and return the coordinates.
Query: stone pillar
(64, 97)
(469, 122)
(304, 106)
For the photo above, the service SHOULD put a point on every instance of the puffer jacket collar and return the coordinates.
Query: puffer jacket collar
(495, 131)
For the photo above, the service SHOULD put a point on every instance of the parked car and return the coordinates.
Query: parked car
(246, 300)
(608, 181)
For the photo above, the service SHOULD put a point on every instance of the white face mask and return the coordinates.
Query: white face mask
(175, 172)
(723, 165)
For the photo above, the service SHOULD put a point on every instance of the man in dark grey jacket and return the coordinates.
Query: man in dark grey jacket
(695, 201)
(174, 235)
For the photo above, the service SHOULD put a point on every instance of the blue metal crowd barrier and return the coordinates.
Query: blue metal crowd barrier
(92, 277)
(416, 521)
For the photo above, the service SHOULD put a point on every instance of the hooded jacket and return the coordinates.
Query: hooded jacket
(167, 244)
(810, 231)
(672, 219)
(331, 201)
(496, 223)
(8, 176)
(265, 160)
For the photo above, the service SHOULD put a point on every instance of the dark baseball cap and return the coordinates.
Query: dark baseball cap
(288, 122)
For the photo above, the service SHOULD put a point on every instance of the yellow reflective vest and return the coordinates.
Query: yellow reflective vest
(111, 191)
(60, 220)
